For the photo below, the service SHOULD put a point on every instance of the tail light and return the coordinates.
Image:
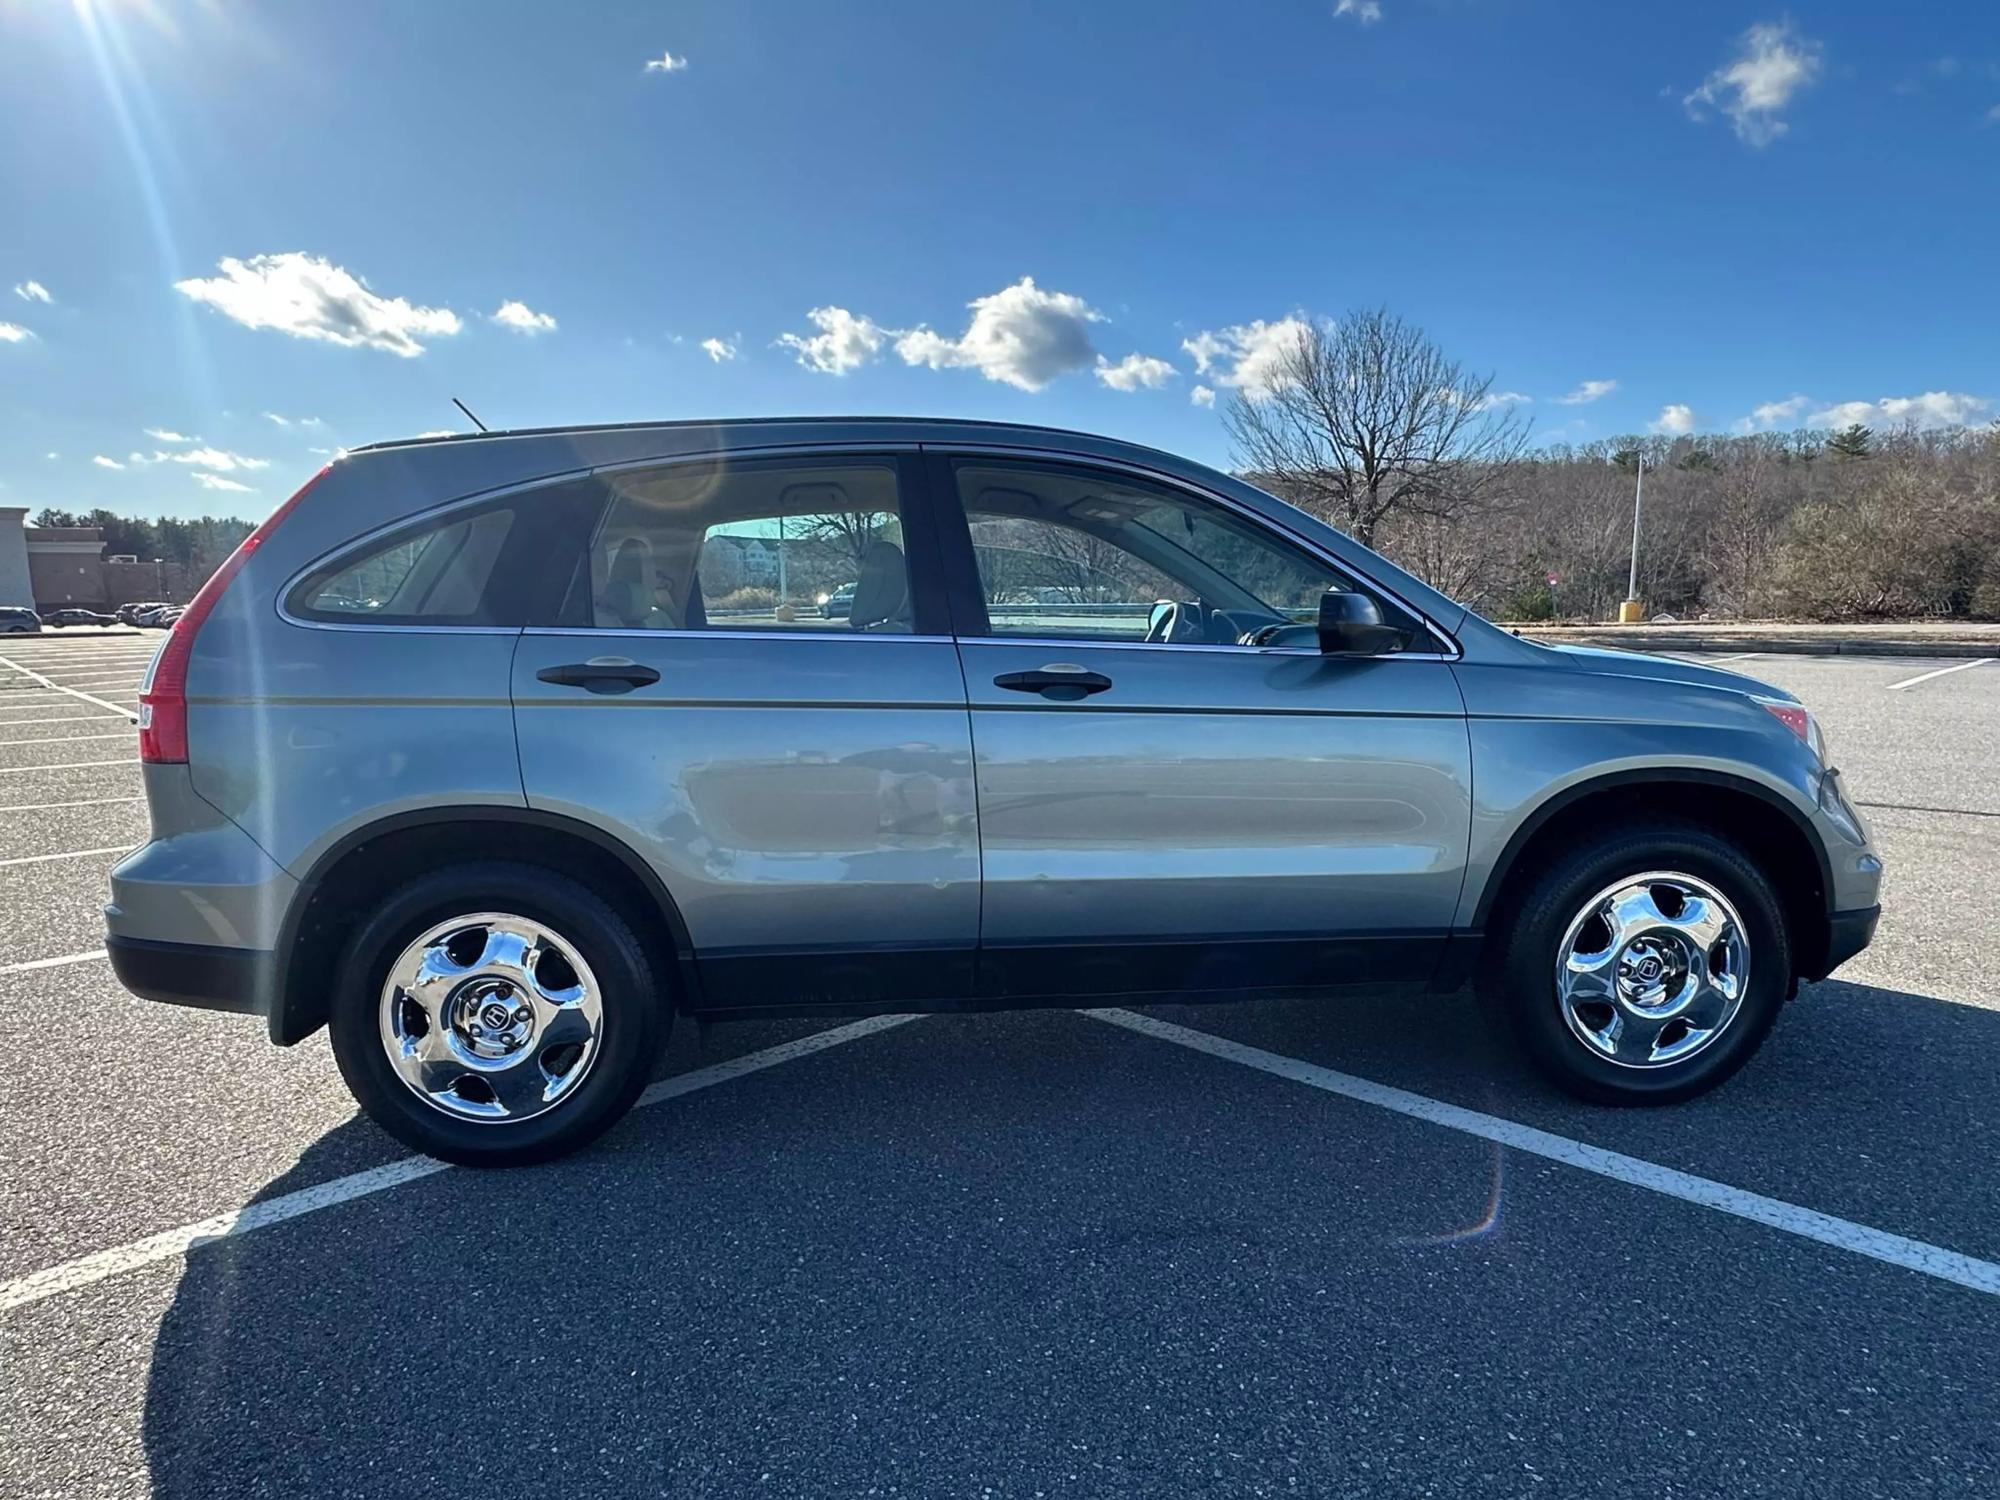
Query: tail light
(163, 696)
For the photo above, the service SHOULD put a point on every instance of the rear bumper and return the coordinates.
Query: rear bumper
(241, 980)
(1847, 933)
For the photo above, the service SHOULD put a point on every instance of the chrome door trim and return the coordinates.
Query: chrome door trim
(679, 633)
(1236, 508)
(1072, 642)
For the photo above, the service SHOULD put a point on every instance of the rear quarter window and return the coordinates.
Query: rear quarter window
(497, 564)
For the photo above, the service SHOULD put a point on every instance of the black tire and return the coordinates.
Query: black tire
(1529, 942)
(636, 1013)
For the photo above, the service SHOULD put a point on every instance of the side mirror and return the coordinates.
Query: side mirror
(1351, 625)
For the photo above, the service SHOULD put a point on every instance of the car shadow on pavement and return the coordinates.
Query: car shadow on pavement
(914, 1250)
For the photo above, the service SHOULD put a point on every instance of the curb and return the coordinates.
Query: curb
(1632, 640)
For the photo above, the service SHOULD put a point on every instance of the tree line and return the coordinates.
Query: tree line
(1368, 425)
(187, 549)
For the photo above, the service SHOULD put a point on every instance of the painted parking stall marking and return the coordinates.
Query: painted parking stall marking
(173, 1243)
(44, 859)
(1964, 666)
(1841, 1234)
(116, 708)
(54, 963)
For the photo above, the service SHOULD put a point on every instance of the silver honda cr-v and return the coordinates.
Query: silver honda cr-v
(494, 754)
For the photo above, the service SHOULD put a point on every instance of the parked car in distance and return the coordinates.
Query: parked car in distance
(839, 604)
(157, 616)
(449, 757)
(17, 620)
(63, 617)
(130, 614)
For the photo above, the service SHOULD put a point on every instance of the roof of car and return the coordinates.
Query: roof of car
(941, 425)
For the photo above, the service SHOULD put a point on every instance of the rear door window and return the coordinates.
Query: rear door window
(816, 543)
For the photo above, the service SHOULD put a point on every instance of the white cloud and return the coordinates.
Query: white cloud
(1931, 409)
(1589, 391)
(13, 333)
(32, 291)
(1771, 413)
(1020, 335)
(1774, 64)
(216, 459)
(1201, 395)
(311, 298)
(284, 421)
(1367, 12)
(163, 435)
(1135, 371)
(1674, 421)
(1503, 398)
(844, 341)
(1247, 356)
(217, 482)
(106, 463)
(666, 62)
(720, 350)
(523, 319)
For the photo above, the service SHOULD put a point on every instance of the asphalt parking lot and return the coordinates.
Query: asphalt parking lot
(1271, 1249)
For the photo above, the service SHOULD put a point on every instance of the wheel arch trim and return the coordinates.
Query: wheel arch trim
(287, 1027)
(1502, 872)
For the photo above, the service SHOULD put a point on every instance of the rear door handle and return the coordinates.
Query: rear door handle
(602, 674)
(1059, 681)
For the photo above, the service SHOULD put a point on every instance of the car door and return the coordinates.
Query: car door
(799, 777)
(1163, 809)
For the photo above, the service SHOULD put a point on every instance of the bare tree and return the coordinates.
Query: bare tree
(1368, 418)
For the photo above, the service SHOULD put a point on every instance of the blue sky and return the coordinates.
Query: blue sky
(1685, 212)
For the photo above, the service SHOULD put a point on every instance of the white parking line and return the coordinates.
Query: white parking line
(75, 765)
(82, 1272)
(1964, 666)
(1739, 656)
(43, 859)
(68, 739)
(59, 719)
(31, 672)
(51, 806)
(53, 963)
(1842, 1234)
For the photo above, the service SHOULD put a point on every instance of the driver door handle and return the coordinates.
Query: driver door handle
(1061, 682)
(603, 674)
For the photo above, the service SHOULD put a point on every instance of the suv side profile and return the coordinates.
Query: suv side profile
(495, 754)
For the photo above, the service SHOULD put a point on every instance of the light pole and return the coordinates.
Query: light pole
(1629, 611)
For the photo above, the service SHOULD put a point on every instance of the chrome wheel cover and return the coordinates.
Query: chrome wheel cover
(491, 1017)
(1652, 970)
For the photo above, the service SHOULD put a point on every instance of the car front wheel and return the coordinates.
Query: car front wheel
(493, 1014)
(1646, 966)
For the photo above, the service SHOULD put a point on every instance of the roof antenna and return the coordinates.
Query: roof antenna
(468, 411)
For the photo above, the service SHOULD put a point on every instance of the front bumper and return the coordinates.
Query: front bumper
(241, 980)
(1847, 933)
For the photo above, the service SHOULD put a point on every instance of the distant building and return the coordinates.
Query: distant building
(15, 587)
(57, 566)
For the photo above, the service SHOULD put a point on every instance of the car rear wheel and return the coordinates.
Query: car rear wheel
(494, 1014)
(1644, 967)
